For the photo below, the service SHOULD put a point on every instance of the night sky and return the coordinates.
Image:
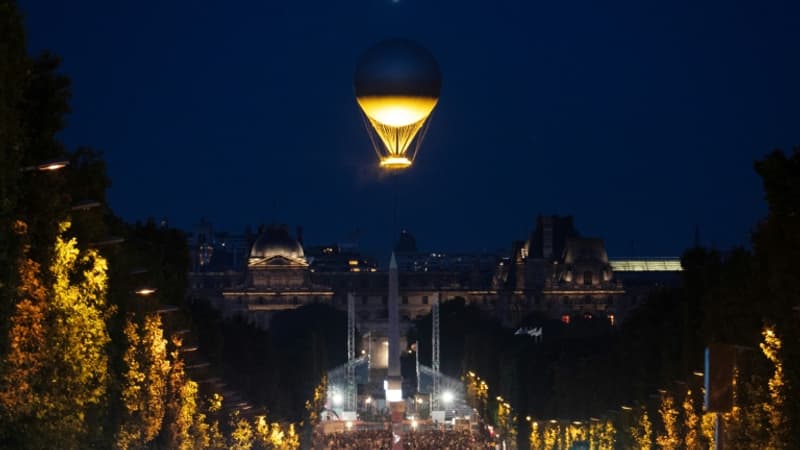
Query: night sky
(641, 119)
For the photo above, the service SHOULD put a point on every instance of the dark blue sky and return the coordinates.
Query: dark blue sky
(641, 119)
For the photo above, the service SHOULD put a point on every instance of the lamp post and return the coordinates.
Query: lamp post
(47, 166)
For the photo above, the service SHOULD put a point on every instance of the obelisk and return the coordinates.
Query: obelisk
(394, 382)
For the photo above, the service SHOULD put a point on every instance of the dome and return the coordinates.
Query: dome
(276, 241)
(397, 67)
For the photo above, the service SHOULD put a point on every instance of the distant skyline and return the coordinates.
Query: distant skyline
(640, 120)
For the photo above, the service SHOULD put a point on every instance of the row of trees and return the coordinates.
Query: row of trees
(758, 418)
(86, 359)
(749, 299)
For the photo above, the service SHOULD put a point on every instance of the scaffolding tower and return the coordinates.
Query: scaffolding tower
(350, 374)
(435, 394)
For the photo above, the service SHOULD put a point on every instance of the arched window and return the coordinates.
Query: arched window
(587, 278)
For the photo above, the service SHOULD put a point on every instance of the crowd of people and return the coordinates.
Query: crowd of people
(356, 440)
(444, 440)
(415, 440)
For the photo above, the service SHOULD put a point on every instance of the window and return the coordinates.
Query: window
(565, 318)
(587, 278)
(611, 319)
(405, 299)
(385, 300)
(424, 299)
(364, 300)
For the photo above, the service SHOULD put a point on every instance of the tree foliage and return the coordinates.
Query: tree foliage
(62, 326)
(144, 382)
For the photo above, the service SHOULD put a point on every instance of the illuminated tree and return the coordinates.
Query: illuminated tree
(607, 436)
(216, 440)
(642, 431)
(506, 424)
(181, 407)
(551, 434)
(669, 418)
(292, 439)
(66, 332)
(242, 436)
(536, 439)
(313, 409)
(691, 423)
(144, 382)
(276, 436)
(24, 365)
(204, 429)
(771, 347)
(707, 427)
(776, 246)
(261, 431)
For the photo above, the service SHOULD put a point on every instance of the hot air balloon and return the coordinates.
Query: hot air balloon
(397, 84)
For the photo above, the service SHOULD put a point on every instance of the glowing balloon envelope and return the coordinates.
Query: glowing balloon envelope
(397, 85)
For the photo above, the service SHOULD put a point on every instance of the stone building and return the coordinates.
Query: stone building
(555, 273)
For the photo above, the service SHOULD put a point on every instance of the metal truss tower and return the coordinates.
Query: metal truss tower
(350, 375)
(435, 394)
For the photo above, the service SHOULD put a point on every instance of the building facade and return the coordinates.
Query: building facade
(555, 274)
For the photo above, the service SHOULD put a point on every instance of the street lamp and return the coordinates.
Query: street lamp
(110, 241)
(85, 205)
(47, 166)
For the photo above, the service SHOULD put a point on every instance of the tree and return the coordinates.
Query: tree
(144, 383)
(775, 408)
(24, 365)
(776, 245)
(313, 409)
(669, 418)
(12, 86)
(67, 333)
(691, 423)
(242, 435)
(181, 406)
(642, 431)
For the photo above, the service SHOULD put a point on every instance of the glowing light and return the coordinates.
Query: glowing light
(55, 164)
(394, 395)
(447, 396)
(349, 425)
(394, 123)
(395, 162)
(145, 291)
(647, 265)
(397, 111)
(368, 400)
(337, 399)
